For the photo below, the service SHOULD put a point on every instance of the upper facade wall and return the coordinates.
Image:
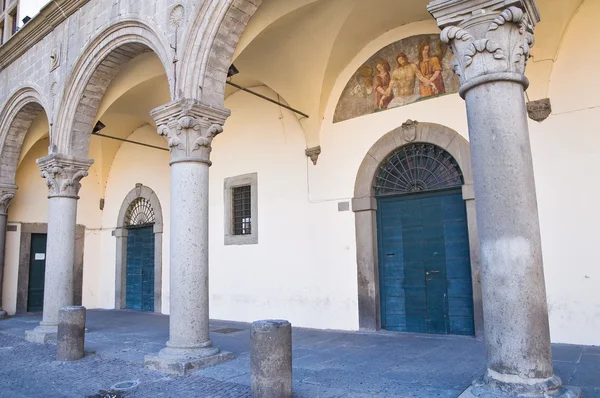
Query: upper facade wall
(73, 64)
(36, 69)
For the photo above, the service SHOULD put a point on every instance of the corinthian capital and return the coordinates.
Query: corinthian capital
(63, 174)
(190, 128)
(7, 193)
(490, 39)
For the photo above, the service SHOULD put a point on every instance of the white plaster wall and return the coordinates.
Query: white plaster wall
(132, 165)
(566, 149)
(304, 267)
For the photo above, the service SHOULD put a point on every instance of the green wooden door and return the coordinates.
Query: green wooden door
(424, 264)
(140, 269)
(37, 271)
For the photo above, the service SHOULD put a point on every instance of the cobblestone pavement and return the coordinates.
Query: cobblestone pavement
(327, 364)
(29, 370)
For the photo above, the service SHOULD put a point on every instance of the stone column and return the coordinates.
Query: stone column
(491, 41)
(62, 174)
(7, 193)
(190, 128)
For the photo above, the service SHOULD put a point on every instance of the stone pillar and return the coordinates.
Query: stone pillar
(271, 359)
(62, 174)
(7, 193)
(491, 41)
(190, 128)
(71, 333)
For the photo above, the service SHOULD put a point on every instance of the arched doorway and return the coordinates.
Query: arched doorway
(424, 263)
(366, 202)
(139, 252)
(139, 281)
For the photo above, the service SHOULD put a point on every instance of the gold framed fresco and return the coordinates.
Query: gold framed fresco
(412, 69)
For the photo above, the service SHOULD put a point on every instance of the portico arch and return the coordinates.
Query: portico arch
(16, 118)
(140, 192)
(215, 34)
(364, 205)
(93, 72)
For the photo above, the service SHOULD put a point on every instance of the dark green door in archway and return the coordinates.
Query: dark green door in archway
(140, 269)
(424, 264)
(37, 271)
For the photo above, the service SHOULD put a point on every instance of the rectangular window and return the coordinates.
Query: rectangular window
(13, 22)
(242, 210)
(240, 195)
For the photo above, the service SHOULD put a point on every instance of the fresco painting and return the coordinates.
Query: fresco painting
(412, 69)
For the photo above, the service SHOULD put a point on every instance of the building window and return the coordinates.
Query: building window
(12, 18)
(241, 209)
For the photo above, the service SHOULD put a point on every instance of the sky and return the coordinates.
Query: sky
(30, 8)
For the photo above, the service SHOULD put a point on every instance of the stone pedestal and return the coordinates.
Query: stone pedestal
(71, 333)
(190, 129)
(271, 359)
(491, 40)
(63, 175)
(7, 193)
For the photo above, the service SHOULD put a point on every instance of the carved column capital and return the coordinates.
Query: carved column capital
(190, 128)
(7, 193)
(63, 174)
(491, 39)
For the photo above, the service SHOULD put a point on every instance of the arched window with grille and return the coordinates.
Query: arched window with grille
(418, 167)
(139, 214)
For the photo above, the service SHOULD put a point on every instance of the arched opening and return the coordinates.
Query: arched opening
(418, 170)
(139, 252)
(96, 69)
(424, 267)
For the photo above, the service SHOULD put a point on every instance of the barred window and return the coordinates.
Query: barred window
(240, 197)
(242, 210)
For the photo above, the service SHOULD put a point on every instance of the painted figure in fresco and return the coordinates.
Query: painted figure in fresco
(431, 69)
(364, 86)
(381, 82)
(403, 79)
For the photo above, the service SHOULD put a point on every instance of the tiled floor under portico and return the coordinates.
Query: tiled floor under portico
(326, 363)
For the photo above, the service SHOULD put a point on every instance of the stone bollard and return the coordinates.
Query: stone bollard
(271, 359)
(71, 333)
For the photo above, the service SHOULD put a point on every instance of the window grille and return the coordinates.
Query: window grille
(139, 214)
(417, 168)
(242, 210)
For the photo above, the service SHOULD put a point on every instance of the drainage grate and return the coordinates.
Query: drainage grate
(227, 330)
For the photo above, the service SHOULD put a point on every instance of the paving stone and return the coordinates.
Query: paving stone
(326, 364)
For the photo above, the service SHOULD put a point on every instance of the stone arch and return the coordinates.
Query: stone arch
(214, 35)
(16, 118)
(120, 233)
(94, 70)
(364, 205)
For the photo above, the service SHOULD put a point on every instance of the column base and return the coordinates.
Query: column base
(3, 315)
(486, 391)
(180, 362)
(41, 334)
